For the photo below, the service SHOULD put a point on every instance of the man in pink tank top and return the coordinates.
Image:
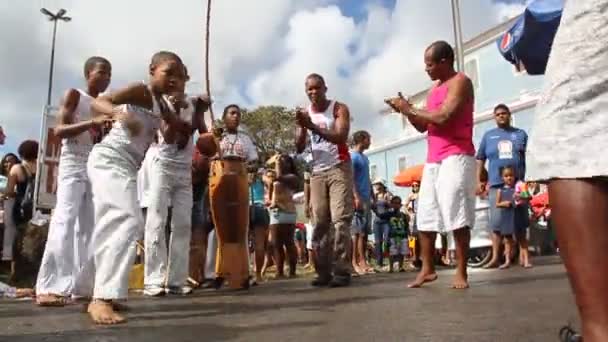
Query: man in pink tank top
(326, 124)
(447, 191)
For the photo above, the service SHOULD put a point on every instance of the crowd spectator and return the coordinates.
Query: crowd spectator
(382, 198)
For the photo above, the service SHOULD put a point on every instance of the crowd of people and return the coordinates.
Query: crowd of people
(97, 221)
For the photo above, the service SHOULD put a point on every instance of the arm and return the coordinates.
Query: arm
(339, 133)
(13, 179)
(500, 203)
(136, 94)
(459, 92)
(301, 138)
(198, 120)
(419, 124)
(66, 128)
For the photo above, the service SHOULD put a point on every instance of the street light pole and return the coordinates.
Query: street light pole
(60, 15)
(458, 35)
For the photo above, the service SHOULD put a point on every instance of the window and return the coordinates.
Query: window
(471, 69)
(401, 163)
(373, 171)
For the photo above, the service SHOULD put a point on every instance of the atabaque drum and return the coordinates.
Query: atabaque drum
(229, 196)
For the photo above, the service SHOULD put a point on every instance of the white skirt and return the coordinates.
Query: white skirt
(570, 135)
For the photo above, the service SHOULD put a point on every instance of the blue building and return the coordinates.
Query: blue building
(397, 145)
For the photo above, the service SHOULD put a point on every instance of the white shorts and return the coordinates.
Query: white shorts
(447, 195)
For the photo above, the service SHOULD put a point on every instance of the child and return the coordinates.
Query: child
(398, 234)
(282, 212)
(166, 264)
(513, 217)
(65, 270)
(140, 110)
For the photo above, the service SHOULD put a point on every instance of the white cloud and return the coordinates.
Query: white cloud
(261, 50)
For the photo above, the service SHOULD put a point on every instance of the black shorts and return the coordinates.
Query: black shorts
(258, 216)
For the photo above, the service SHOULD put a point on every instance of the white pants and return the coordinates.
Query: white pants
(447, 195)
(67, 266)
(118, 220)
(10, 230)
(211, 255)
(168, 185)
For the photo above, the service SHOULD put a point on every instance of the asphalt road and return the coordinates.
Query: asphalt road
(510, 305)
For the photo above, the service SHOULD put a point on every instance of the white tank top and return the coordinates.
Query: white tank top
(75, 150)
(169, 154)
(325, 154)
(133, 148)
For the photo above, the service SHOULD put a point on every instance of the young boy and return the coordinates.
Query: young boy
(65, 269)
(398, 234)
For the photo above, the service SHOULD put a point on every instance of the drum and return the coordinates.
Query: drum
(229, 197)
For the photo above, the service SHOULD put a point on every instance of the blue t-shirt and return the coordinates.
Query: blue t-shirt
(256, 192)
(503, 147)
(361, 179)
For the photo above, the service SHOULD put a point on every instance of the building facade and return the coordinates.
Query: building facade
(495, 81)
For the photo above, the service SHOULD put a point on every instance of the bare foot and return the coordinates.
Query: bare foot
(102, 312)
(259, 279)
(22, 293)
(504, 266)
(491, 264)
(460, 282)
(359, 270)
(51, 300)
(422, 278)
(527, 265)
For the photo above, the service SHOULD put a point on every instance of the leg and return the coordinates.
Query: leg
(496, 240)
(290, 247)
(321, 238)
(260, 236)
(494, 219)
(340, 186)
(277, 249)
(58, 267)
(429, 222)
(155, 256)
(181, 234)
(524, 253)
(457, 205)
(378, 244)
(10, 230)
(117, 223)
(85, 272)
(508, 239)
(463, 238)
(581, 232)
(427, 247)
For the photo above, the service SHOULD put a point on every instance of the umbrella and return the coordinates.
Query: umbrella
(528, 42)
(406, 177)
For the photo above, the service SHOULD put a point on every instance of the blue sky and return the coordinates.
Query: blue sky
(261, 50)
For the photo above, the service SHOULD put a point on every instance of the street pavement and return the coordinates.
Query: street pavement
(511, 305)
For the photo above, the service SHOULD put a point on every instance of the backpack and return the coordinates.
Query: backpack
(24, 202)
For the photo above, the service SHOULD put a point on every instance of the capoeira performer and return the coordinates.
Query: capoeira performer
(72, 222)
(112, 169)
(171, 182)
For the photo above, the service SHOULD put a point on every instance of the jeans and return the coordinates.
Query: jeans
(381, 230)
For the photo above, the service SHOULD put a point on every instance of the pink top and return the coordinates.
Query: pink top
(453, 137)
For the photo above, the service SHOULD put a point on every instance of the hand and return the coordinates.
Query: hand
(204, 99)
(399, 104)
(178, 100)
(481, 188)
(357, 203)
(303, 118)
(101, 121)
